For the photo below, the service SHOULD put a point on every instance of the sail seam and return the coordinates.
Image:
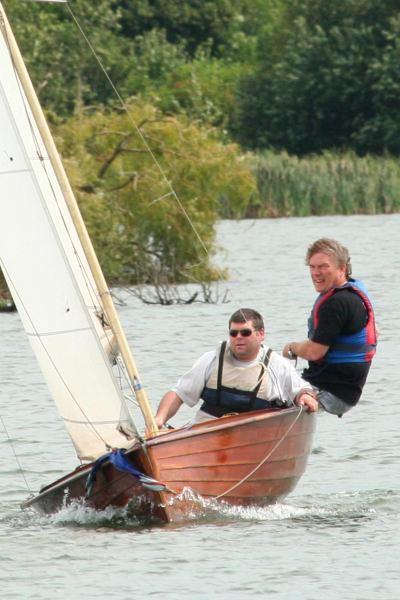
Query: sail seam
(16, 172)
(50, 333)
(92, 422)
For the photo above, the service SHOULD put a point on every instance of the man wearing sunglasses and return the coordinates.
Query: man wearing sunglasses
(341, 329)
(241, 375)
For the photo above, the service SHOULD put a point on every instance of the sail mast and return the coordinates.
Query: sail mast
(80, 226)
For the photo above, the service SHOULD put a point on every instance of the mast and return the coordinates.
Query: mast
(80, 226)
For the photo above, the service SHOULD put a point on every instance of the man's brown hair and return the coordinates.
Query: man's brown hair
(332, 248)
(247, 314)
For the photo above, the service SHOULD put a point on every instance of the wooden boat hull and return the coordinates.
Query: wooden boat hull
(249, 459)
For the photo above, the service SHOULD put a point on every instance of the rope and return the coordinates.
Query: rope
(172, 192)
(264, 460)
(15, 455)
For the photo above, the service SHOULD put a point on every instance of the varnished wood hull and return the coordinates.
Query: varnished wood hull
(250, 459)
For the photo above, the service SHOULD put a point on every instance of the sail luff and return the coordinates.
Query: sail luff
(103, 290)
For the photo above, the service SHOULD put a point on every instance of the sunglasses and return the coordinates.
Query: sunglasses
(243, 332)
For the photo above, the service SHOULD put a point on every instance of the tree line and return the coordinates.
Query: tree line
(228, 92)
(304, 76)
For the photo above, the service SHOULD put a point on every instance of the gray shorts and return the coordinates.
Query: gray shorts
(331, 403)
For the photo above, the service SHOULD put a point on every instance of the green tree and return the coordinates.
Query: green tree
(141, 230)
(155, 58)
(3, 285)
(182, 56)
(203, 89)
(326, 78)
(196, 22)
(63, 69)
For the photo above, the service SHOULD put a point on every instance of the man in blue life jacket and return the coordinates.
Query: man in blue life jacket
(239, 376)
(341, 330)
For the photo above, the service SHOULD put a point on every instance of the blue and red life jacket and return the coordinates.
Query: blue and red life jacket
(352, 348)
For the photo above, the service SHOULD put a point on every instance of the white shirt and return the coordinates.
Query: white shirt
(284, 383)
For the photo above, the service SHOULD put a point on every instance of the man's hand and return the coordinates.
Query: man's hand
(287, 352)
(308, 350)
(168, 407)
(308, 399)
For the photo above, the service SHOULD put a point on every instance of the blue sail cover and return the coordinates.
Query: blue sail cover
(118, 459)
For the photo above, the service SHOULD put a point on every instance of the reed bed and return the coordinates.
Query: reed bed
(327, 184)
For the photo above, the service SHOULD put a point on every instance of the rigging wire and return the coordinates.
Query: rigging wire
(15, 455)
(125, 107)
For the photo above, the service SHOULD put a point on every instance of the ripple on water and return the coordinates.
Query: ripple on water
(345, 526)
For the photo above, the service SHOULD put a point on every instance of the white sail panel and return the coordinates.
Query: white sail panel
(48, 275)
(34, 149)
(76, 258)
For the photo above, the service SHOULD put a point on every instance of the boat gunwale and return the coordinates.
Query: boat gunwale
(228, 423)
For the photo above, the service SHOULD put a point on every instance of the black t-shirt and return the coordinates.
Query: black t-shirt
(343, 313)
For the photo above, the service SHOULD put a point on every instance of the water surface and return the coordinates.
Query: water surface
(336, 536)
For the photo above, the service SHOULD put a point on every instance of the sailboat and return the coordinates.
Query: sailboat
(66, 309)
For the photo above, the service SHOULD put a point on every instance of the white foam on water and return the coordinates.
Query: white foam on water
(341, 507)
(344, 505)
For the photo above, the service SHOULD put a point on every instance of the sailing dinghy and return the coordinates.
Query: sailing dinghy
(254, 458)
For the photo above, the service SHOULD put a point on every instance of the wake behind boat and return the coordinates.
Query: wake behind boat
(73, 327)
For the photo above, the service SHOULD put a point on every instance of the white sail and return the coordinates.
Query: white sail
(49, 278)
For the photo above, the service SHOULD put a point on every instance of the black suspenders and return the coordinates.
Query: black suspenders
(220, 369)
(254, 392)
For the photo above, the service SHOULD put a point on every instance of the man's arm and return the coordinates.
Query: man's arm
(168, 407)
(308, 350)
(344, 312)
(189, 388)
(287, 384)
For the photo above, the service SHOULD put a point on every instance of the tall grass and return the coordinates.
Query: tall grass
(324, 185)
